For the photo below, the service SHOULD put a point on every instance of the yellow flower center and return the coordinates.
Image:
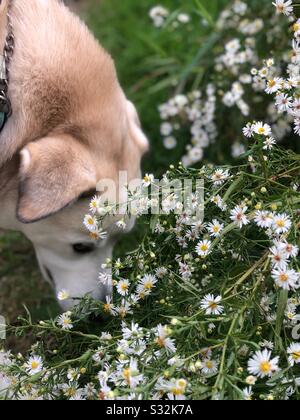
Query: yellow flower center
(265, 367)
(107, 307)
(204, 248)
(161, 342)
(70, 392)
(271, 83)
(296, 27)
(182, 383)
(148, 285)
(209, 364)
(94, 236)
(261, 130)
(34, 365)
(284, 278)
(213, 305)
(296, 355)
(127, 375)
(280, 223)
(177, 391)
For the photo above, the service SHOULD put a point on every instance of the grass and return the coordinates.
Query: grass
(150, 61)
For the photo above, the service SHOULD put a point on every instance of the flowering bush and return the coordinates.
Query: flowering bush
(225, 84)
(204, 308)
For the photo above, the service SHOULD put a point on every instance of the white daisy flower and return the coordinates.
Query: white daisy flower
(291, 250)
(170, 142)
(294, 353)
(269, 143)
(283, 102)
(174, 388)
(108, 306)
(284, 7)
(238, 215)
(148, 180)
(123, 287)
(262, 129)
(211, 305)
(98, 234)
(131, 374)
(146, 284)
(34, 365)
(121, 224)
(183, 18)
(281, 223)
(105, 279)
(203, 248)
(215, 228)
(95, 204)
(261, 364)
(135, 332)
(285, 278)
(297, 126)
(163, 340)
(209, 367)
(124, 310)
(263, 219)
(91, 223)
(64, 321)
(248, 394)
(220, 176)
(63, 295)
(274, 85)
(218, 201)
(279, 258)
(248, 131)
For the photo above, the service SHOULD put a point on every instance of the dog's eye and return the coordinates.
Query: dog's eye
(83, 248)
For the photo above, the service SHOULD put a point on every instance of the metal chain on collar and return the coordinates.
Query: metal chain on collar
(5, 104)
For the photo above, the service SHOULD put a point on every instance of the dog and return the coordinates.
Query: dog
(71, 126)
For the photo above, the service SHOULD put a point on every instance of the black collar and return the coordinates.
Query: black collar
(5, 104)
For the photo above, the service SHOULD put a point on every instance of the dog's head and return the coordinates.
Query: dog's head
(72, 127)
(58, 175)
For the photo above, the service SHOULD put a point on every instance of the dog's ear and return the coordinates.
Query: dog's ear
(135, 129)
(53, 173)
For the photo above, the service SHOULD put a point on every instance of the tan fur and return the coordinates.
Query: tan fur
(63, 82)
(71, 125)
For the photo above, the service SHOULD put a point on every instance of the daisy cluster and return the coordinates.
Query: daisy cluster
(233, 83)
(204, 308)
(285, 89)
(160, 14)
(198, 112)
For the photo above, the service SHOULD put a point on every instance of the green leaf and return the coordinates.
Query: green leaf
(204, 12)
(282, 304)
